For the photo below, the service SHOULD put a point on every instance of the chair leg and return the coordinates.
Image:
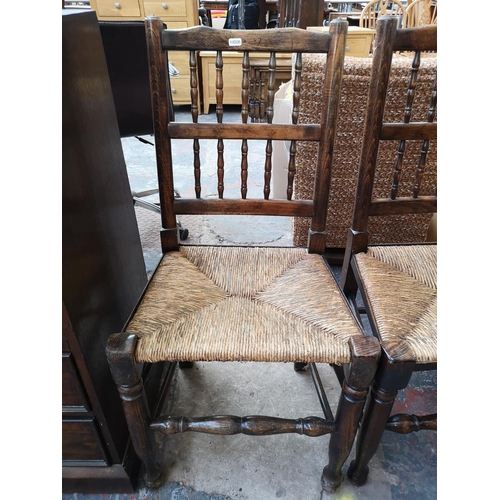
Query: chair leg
(390, 378)
(365, 353)
(119, 351)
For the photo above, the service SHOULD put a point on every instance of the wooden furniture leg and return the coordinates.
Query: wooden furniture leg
(391, 377)
(365, 353)
(125, 372)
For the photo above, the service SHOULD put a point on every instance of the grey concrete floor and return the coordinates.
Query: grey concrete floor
(205, 467)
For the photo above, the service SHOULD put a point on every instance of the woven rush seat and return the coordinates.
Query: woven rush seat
(243, 304)
(401, 288)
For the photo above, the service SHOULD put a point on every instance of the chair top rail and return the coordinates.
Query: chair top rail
(282, 40)
(418, 38)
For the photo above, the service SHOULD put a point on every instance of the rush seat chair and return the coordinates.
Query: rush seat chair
(251, 304)
(397, 283)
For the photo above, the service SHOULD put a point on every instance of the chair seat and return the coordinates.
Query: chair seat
(243, 304)
(401, 290)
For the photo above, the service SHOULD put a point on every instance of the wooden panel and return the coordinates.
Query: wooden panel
(81, 442)
(73, 394)
(101, 480)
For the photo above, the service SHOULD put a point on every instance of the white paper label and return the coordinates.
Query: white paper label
(234, 42)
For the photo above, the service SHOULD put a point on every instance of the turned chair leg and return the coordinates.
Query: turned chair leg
(390, 378)
(365, 353)
(119, 351)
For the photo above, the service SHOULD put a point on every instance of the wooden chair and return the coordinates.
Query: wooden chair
(243, 303)
(397, 283)
(421, 13)
(377, 8)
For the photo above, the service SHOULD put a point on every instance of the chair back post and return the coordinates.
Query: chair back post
(331, 95)
(162, 115)
(377, 91)
(357, 236)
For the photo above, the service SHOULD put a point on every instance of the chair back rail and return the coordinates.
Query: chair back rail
(248, 43)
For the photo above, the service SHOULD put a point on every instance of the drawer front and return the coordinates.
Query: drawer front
(357, 46)
(81, 444)
(122, 8)
(165, 9)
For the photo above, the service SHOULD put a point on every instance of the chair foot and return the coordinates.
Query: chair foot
(153, 482)
(120, 350)
(330, 480)
(357, 477)
(299, 367)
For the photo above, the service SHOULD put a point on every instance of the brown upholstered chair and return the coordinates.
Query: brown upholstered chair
(256, 304)
(397, 283)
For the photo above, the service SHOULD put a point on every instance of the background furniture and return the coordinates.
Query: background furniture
(397, 284)
(377, 8)
(174, 13)
(421, 13)
(359, 40)
(103, 271)
(232, 75)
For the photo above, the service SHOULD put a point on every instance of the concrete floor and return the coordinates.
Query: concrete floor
(205, 467)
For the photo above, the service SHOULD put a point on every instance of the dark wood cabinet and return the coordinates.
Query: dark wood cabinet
(103, 270)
